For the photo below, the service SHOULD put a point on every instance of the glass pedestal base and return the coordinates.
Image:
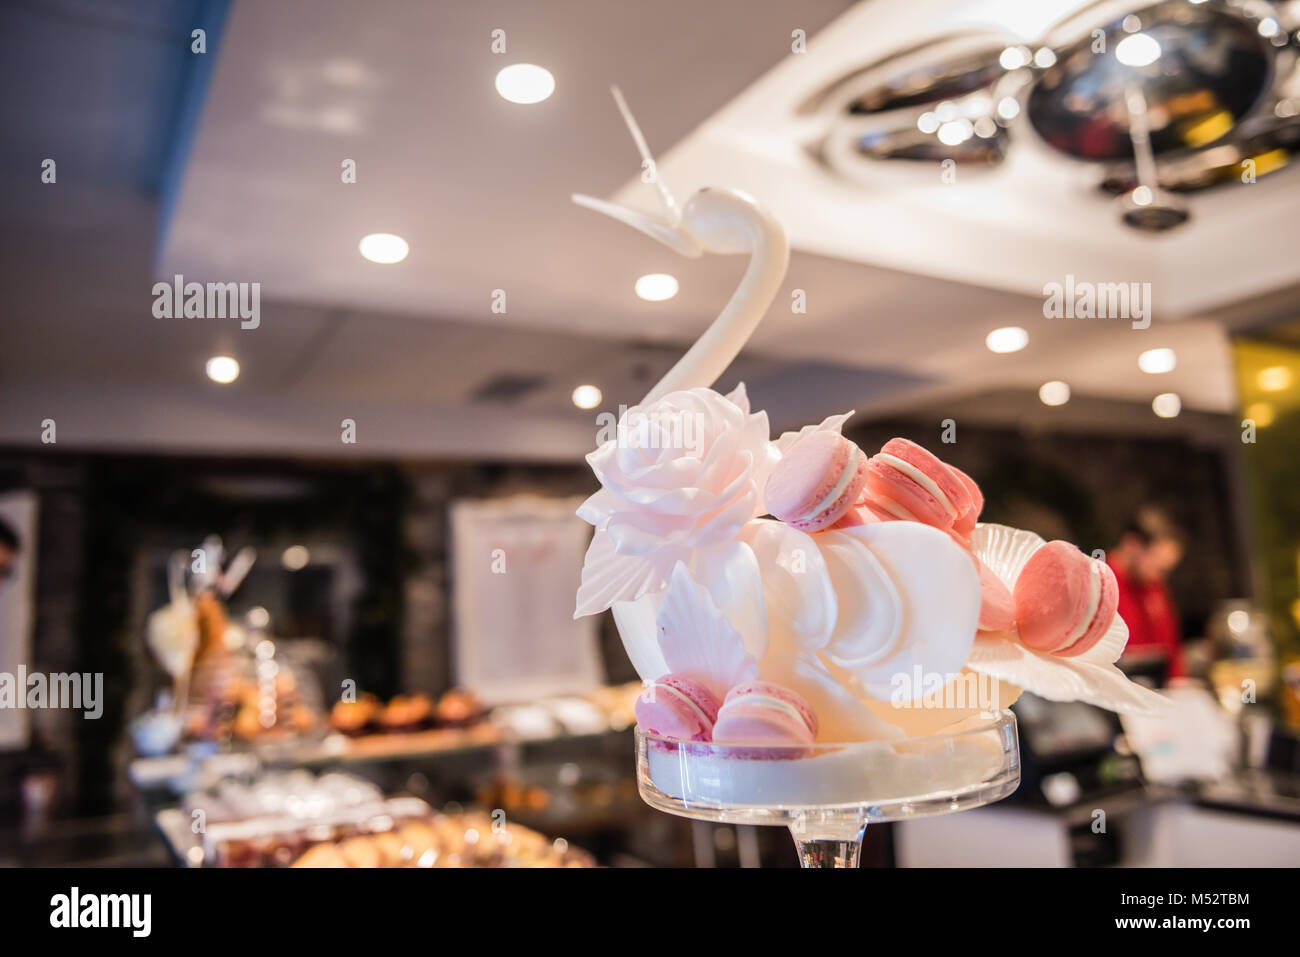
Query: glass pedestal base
(827, 794)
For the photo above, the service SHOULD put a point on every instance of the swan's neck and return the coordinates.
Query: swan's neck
(769, 258)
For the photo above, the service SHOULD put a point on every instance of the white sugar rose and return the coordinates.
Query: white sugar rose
(683, 475)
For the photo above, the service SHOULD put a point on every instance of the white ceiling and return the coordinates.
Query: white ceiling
(480, 188)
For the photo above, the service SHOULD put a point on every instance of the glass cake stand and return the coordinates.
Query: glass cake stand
(827, 794)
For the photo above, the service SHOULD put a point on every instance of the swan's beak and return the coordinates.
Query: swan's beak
(672, 236)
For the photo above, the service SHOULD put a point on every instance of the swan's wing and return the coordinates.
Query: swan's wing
(697, 639)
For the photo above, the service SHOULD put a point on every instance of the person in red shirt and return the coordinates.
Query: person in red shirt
(1150, 547)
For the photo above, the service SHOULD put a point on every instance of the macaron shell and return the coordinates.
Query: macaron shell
(966, 522)
(875, 512)
(696, 690)
(1051, 595)
(656, 715)
(886, 485)
(747, 723)
(801, 478)
(780, 693)
(847, 499)
(810, 471)
(753, 715)
(935, 469)
(1107, 606)
(661, 709)
(997, 607)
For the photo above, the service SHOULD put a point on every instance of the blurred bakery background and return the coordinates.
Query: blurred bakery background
(319, 546)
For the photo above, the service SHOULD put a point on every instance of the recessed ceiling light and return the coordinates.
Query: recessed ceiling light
(223, 369)
(956, 132)
(1167, 405)
(1156, 361)
(1139, 49)
(656, 287)
(295, 557)
(587, 396)
(1055, 392)
(384, 248)
(525, 83)
(1274, 378)
(1007, 339)
(977, 105)
(1261, 413)
(1013, 58)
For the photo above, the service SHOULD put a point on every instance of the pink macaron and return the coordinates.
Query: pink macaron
(1064, 600)
(906, 481)
(965, 523)
(676, 706)
(997, 607)
(763, 714)
(868, 512)
(817, 481)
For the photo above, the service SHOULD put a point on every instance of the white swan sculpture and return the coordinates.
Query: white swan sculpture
(720, 221)
(829, 602)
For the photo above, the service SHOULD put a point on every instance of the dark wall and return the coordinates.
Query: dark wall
(56, 639)
(100, 514)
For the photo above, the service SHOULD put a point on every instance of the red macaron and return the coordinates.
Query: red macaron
(1065, 601)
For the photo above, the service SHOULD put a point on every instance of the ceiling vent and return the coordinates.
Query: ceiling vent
(507, 388)
(1170, 96)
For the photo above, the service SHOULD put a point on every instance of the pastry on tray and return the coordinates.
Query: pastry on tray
(355, 717)
(459, 707)
(407, 713)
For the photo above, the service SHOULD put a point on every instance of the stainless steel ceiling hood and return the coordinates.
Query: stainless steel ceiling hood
(1203, 92)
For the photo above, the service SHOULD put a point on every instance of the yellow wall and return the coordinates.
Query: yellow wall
(1269, 385)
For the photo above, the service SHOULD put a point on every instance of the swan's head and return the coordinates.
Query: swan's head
(712, 220)
(722, 220)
